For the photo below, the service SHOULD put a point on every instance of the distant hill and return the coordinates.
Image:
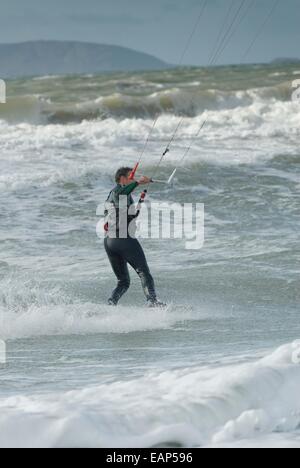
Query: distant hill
(283, 61)
(39, 58)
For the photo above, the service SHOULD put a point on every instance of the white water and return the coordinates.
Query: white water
(276, 125)
(78, 319)
(203, 372)
(192, 407)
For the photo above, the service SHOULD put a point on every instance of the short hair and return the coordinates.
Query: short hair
(122, 172)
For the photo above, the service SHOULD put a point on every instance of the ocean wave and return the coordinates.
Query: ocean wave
(87, 319)
(229, 138)
(197, 406)
(19, 294)
(24, 109)
(29, 309)
(187, 101)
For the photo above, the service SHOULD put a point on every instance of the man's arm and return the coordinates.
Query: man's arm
(127, 189)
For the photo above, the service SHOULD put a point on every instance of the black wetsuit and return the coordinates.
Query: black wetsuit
(124, 251)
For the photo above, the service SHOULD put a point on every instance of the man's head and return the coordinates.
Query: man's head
(122, 175)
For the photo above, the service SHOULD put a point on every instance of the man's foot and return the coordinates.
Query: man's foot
(156, 304)
(111, 302)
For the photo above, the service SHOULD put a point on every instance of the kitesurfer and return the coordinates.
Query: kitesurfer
(121, 246)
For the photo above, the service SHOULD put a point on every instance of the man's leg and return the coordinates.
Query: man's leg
(135, 256)
(120, 268)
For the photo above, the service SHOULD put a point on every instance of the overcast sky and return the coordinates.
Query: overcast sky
(159, 27)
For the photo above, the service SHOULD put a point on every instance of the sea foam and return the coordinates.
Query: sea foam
(250, 403)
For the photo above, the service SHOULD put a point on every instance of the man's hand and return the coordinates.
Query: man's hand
(145, 181)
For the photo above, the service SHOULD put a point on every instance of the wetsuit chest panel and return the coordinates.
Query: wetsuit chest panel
(112, 209)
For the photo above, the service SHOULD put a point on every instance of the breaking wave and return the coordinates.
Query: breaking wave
(255, 402)
(30, 309)
(229, 138)
(176, 101)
